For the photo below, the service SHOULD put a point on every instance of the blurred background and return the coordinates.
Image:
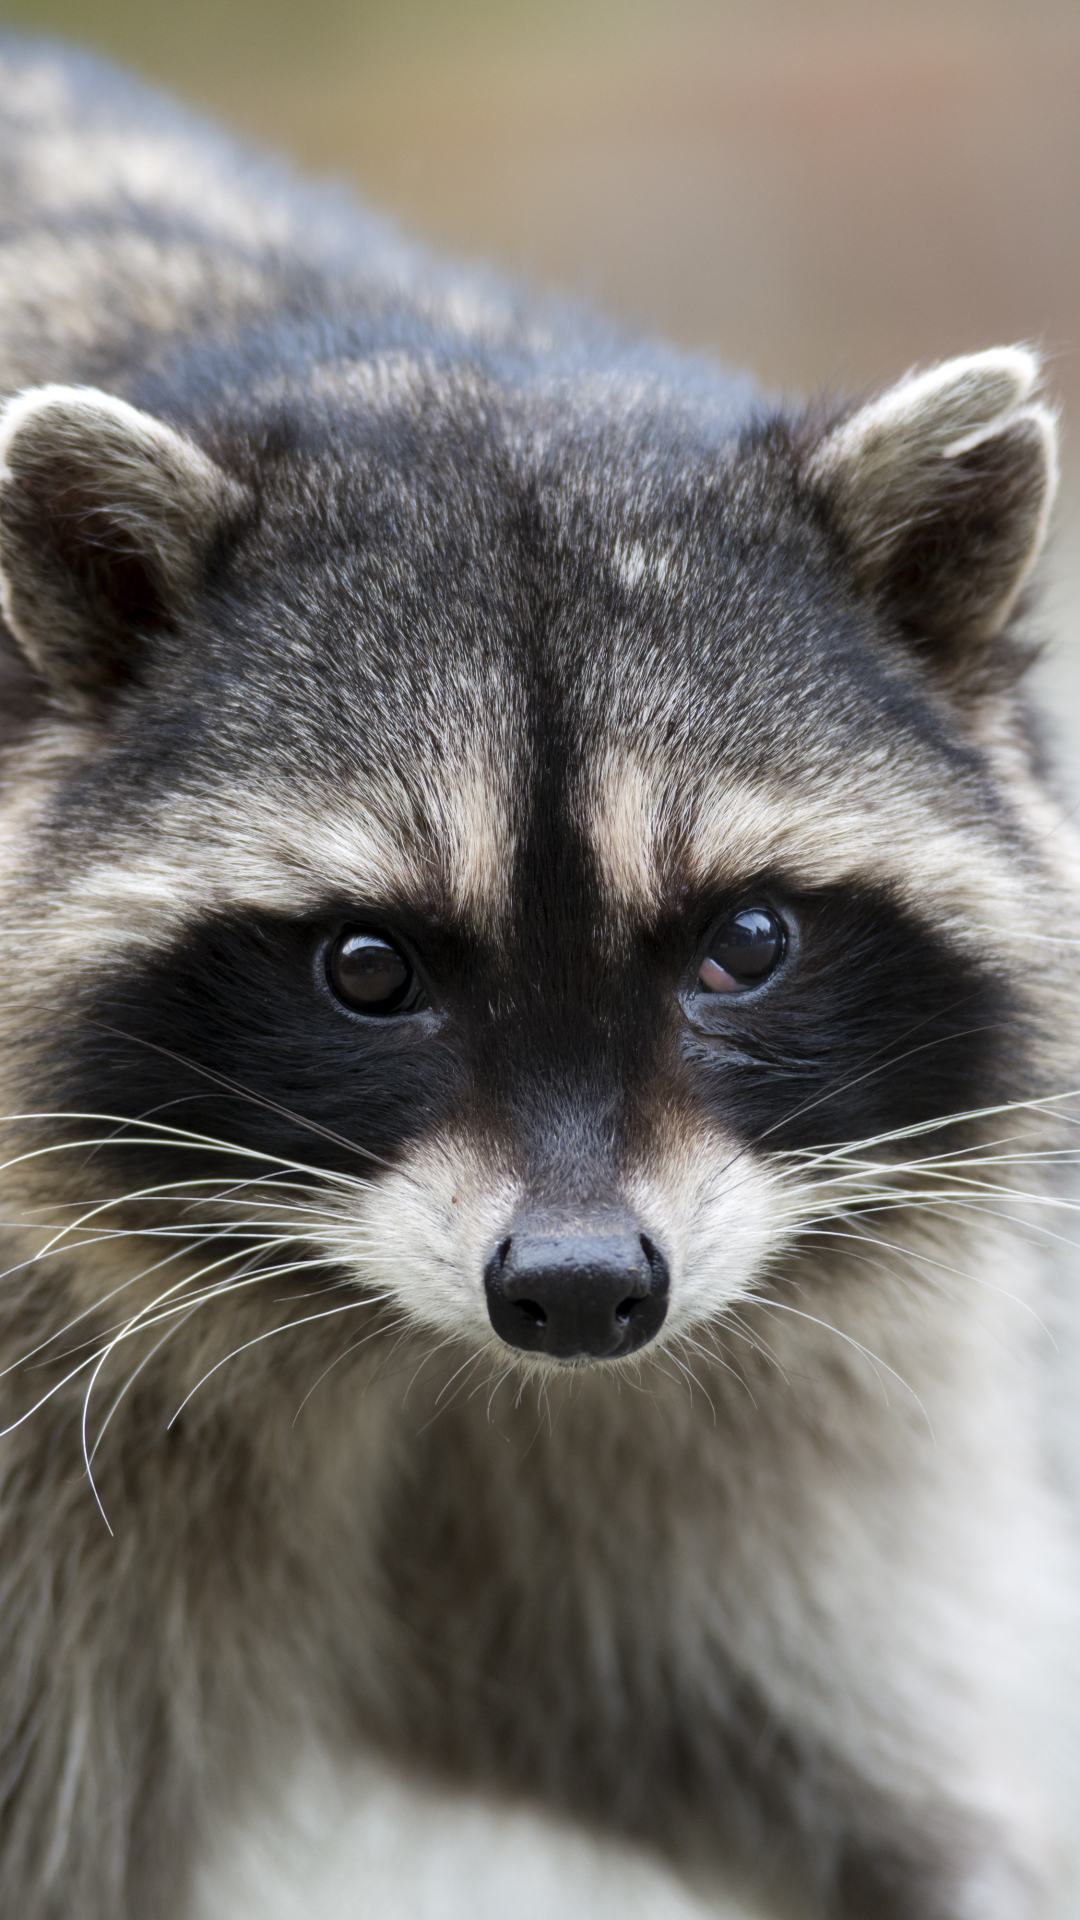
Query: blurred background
(823, 191)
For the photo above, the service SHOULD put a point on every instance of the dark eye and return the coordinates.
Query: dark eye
(742, 952)
(367, 972)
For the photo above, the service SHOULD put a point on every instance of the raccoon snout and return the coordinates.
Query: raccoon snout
(577, 1286)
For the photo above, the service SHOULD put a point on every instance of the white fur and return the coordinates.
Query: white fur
(942, 408)
(355, 1842)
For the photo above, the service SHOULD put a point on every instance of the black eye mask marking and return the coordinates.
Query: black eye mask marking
(325, 1046)
(870, 1021)
(237, 1033)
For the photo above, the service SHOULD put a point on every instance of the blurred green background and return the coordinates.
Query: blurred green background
(826, 192)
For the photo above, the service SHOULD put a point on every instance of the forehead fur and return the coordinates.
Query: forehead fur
(279, 845)
(481, 604)
(653, 839)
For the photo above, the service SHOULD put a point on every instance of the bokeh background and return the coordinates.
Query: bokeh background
(824, 191)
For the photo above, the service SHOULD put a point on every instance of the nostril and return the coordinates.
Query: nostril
(572, 1287)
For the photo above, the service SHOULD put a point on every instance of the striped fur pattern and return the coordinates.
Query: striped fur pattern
(344, 591)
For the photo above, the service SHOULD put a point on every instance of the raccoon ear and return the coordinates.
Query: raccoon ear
(107, 517)
(941, 490)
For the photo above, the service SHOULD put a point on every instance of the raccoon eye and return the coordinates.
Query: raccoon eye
(742, 951)
(367, 972)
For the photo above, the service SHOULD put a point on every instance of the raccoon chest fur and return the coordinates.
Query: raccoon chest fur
(536, 1064)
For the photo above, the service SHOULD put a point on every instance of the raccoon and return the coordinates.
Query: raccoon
(537, 1045)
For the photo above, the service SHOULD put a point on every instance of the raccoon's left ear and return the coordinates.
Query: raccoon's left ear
(107, 518)
(941, 493)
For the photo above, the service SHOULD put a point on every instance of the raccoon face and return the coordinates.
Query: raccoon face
(525, 857)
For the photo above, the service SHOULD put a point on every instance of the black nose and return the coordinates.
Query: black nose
(584, 1285)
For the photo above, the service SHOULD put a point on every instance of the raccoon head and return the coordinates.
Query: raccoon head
(521, 849)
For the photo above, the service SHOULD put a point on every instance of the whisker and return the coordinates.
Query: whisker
(467, 1367)
(915, 1255)
(716, 1358)
(1042, 1103)
(504, 1375)
(306, 1321)
(692, 1381)
(875, 1360)
(354, 1345)
(447, 1384)
(237, 1087)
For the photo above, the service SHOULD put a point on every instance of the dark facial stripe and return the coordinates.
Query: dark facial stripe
(872, 1022)
(236, 1035)
(560, 1060)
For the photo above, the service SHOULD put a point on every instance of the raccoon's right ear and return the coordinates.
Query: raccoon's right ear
(107, 518)
(941, 492)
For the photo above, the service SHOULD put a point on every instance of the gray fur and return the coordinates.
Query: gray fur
(352, 586)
